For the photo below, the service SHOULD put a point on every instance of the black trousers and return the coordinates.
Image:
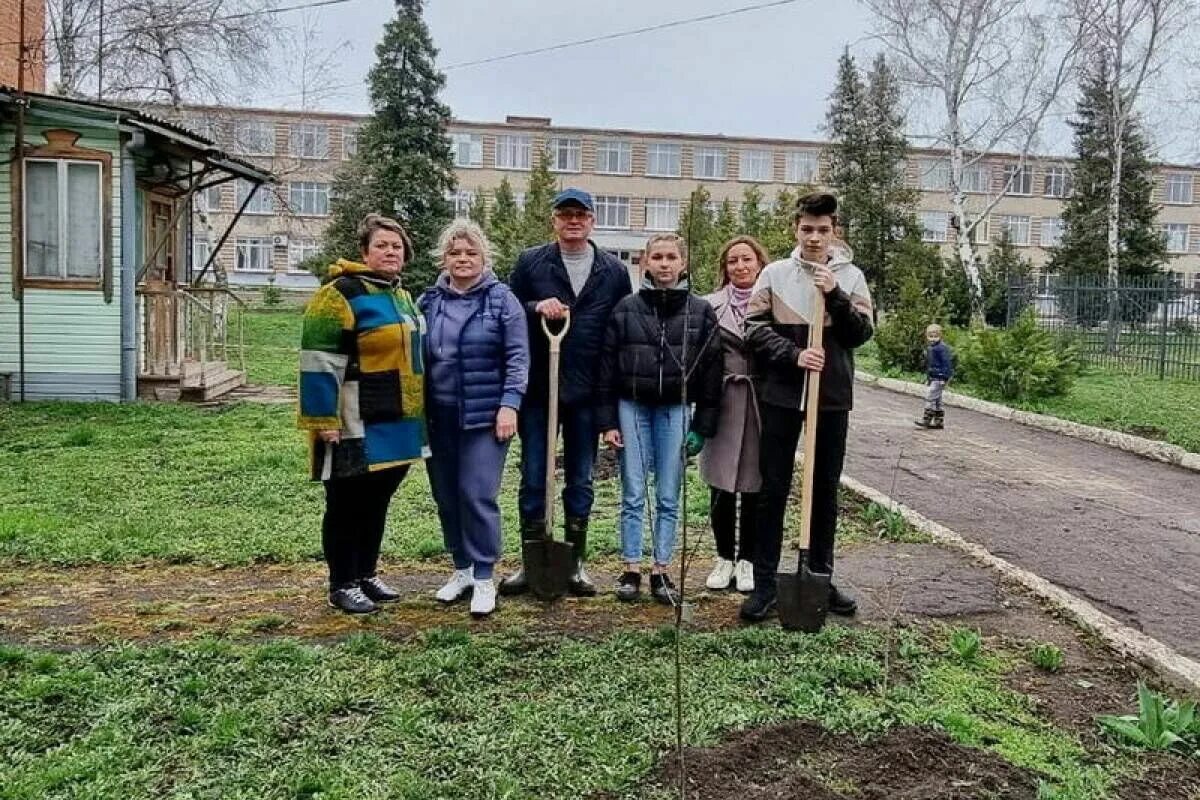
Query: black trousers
(734, 526)
(355, 516)
(780, 434)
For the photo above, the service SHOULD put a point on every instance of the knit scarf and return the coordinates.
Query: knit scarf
(739, 299)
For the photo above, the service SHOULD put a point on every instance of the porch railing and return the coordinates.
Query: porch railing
(193, 324)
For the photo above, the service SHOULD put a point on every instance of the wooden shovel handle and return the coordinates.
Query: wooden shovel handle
(812, 394)
(552, 416)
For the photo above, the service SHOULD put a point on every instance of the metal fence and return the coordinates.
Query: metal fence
(1147, 325)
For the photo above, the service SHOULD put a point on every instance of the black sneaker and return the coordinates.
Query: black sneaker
(841, 603)
(757, 607)
(662, 590)
(629, 586)
(352, 600)
(377, 590)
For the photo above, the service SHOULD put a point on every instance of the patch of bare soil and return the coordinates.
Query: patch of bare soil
(802, 760)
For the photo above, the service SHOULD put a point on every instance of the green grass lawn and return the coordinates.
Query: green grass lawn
(1137, 404)
(272, 344)
(456, 715)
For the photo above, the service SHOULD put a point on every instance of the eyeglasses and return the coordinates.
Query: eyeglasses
(572, 213)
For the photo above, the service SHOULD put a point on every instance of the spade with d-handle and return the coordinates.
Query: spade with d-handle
(803, 598)
(549, 563)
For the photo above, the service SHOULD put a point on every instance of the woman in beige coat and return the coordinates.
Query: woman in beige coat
(729, 461)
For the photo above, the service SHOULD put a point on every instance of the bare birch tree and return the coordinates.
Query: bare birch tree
(72, 39)
(991, 71)
(1130, 38)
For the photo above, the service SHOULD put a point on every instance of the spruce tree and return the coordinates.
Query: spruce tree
(779, 237)
(504, 229)
(1083, 249)
(755, 216)
(696, 226)
(867, 169)
(536, 225)
(403, 167)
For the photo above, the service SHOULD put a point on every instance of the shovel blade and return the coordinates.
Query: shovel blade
(548, 565)
(803, 599)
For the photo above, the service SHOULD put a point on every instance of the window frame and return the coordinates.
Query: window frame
(301, 244)
(624, 153)
(465, 197)
(61, 146)
(1169, 183)
(308, 190)
(524, 144)
(1166, 232)
(933, 166)
(1011, 174)
(573, 150)
(1003, 222)
(302, 129)
(605, 202)
(922, 216)
(239, 140)
(240, 241)
(350, 134)
(657, 148)
(1055, 176)
(660, 205)
(263, 195)
(751, 156)
(702, 154)
(474, 143)
(980, 180)
(791, 162)
(1058, 224)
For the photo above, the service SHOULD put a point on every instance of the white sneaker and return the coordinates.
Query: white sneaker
(745, 576)
(459, 584)
(483, 601)
(721, 574)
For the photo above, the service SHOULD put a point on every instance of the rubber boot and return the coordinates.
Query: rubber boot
(579, 583)
(939, 421)
(532, 530)
(926, 421)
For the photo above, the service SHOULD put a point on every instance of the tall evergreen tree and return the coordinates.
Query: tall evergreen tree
(504, 229)
(536, 226)
(867, 168)
(755, 215)
(779, 237)
(403, 167)
(697, 227)
(1083, 250)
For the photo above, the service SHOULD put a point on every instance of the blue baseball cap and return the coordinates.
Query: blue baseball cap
(576, 196)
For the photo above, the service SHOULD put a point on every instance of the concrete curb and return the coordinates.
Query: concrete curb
(1165, 661)
(1146, 448)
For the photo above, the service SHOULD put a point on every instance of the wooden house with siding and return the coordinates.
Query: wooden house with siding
(99, 299)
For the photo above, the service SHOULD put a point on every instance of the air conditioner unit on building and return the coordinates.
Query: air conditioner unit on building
(280, 240)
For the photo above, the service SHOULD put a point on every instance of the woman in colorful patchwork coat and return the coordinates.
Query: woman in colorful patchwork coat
(362, 401)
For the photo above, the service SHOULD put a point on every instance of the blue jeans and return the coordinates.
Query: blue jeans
(653, 437)
(580, 440)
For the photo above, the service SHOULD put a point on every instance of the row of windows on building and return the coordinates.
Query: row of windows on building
(257, 253)
(304, 198)
(937, 226)
(257, 137)
(615, 157)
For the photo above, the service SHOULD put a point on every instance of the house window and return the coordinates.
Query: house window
(467, 149)
(975, 178)
(756, 165)
(934, 225)
(661, 214)
(612, 212)
(208, 200)
(709, 162)
(253, 254)
(613, 157)
(802, 166)
(1016, 228)
(349, 143)
(254, 137)
(64, 212)
(201, 250)
(308, 198)
(461, 201)
(663, 160)
(1176, 235)
(309, 140)
(260, 203)
(299, 251)
(512, 151)
(1179, 187)
(564, 154)
(1052, 231)
(1018, 179)
(1058, 182)
(933, 175)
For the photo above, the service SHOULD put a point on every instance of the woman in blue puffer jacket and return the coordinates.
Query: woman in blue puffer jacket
(477, 367)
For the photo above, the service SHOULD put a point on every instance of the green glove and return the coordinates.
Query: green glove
(695, 443)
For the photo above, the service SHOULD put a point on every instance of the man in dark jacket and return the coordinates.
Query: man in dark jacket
(777, 320)
(571, 275)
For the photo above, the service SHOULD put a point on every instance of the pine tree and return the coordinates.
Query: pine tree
(504, 229)
(867, 169)
(1083, 249)
(478, 212)
(403, 167)
(536, 225)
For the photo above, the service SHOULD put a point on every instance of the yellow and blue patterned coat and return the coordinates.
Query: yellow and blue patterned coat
(361, 373)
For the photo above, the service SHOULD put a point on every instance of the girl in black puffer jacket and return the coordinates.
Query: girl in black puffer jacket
(657, 340)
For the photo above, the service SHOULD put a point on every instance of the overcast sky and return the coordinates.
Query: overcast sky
(766, 72)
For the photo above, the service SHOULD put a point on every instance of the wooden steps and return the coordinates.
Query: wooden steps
(195, 382)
